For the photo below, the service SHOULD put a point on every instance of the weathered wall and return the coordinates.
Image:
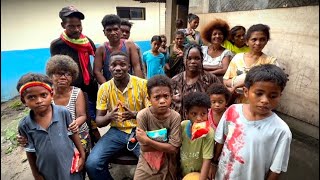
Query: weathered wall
(295, 43)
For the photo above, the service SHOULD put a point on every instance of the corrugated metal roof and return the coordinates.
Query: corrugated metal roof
(151, 1)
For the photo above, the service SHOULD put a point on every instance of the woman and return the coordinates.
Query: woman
(216, 58)
(257, 37)
(236, 42)
(193, 79)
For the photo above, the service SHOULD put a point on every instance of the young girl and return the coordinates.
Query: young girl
(192, 35)
(175, 61)
(158, 132)
(154, 60)
(236, 42)
(50, 148)
(219, 97)
(257, 37)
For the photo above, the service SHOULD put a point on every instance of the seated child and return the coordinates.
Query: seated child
(195, 155)
(50, 150)
(252, 141)
(219, 97)
(158, 132)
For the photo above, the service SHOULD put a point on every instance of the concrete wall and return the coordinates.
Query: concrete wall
(28, 27)
(295, 43)
(30, 24)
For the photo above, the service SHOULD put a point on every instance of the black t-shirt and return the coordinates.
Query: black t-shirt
(58, 46)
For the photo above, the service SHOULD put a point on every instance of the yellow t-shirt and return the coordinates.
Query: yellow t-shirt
(233, 48)
(134, 97)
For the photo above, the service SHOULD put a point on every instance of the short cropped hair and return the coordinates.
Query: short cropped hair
(266, 73)
(219, 88)
(110, 19)
(126, 23)
(220, 24)
(258, 27)
(30, 77)
(199, 99)
(58, 63)
(120, 53)
(158, 80)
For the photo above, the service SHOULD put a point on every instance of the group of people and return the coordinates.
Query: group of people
(157, 98)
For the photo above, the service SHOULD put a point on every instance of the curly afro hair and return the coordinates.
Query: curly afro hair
(199, 99)
(62, 63)
(220, 24)
(218, 88)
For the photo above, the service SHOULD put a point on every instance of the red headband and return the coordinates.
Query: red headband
(32, 84)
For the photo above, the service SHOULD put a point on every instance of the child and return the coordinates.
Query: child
(219, 97)
(154, 60)
(50, 151)
(236, 42)
(196, 154)
(163, 48)
(175, 65)
(158, 153)
(257, 37)
(257, 143)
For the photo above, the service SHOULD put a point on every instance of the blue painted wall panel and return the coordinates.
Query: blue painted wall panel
(18, 62)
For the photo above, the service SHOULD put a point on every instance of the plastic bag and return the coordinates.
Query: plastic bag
(199, 130)
(75, 161)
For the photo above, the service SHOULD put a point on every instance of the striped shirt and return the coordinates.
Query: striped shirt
(134, 97)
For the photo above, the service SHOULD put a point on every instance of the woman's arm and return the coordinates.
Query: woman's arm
(81, 116)
(222, 69)
(98, 65)
(205, 169)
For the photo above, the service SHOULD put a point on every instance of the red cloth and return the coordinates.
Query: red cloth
(84, 49)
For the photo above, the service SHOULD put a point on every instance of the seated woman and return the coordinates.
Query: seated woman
(257, 37)
(216, 58)
(193, 79)
(236, 42)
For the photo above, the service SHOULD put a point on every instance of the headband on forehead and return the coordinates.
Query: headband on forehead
(32, 84)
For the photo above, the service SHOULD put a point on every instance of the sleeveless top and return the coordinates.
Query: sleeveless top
(122, 48)
(215, 61)
(71, 106)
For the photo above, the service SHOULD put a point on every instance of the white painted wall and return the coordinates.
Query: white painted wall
(295, 43)
(29, 24)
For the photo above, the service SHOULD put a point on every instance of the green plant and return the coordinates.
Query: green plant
(16, 104)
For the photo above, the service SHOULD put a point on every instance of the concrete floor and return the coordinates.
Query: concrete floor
(303, 162)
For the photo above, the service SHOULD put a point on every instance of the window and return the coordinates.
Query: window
(132, 13)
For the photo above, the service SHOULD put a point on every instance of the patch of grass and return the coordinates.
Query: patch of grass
(11, 136)
(16, 104)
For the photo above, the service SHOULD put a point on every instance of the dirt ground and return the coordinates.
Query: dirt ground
(14, 163)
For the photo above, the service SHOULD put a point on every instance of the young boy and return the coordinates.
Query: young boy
(196, 154)
(50, 151)
(158, 132)
(219, 97)
(257, 141)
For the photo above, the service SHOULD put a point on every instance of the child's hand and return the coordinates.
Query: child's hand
(141, 136)
(128, 114)
(80, 166)
(22, 141)
(73, 127)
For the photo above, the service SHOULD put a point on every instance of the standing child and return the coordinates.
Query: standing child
(219, 97)
(158, 132)
(252, 141)
(196, 154)
(154, 60)
(46, 128)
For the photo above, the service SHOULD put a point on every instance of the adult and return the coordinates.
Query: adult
(192, 35)
(111, 28)
(236, 42)
(216, 58)
(79, 47)
(125, 28)
(193, 79)
(119, 100)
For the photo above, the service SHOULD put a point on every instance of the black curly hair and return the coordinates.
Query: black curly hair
(199, 99)
(218, 88)
(110, 19)
(30, 77)
(158, 80)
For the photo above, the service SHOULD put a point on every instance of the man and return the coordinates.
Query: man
(126, 31)
(79, 47)
(118, 103)
(111, 29)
